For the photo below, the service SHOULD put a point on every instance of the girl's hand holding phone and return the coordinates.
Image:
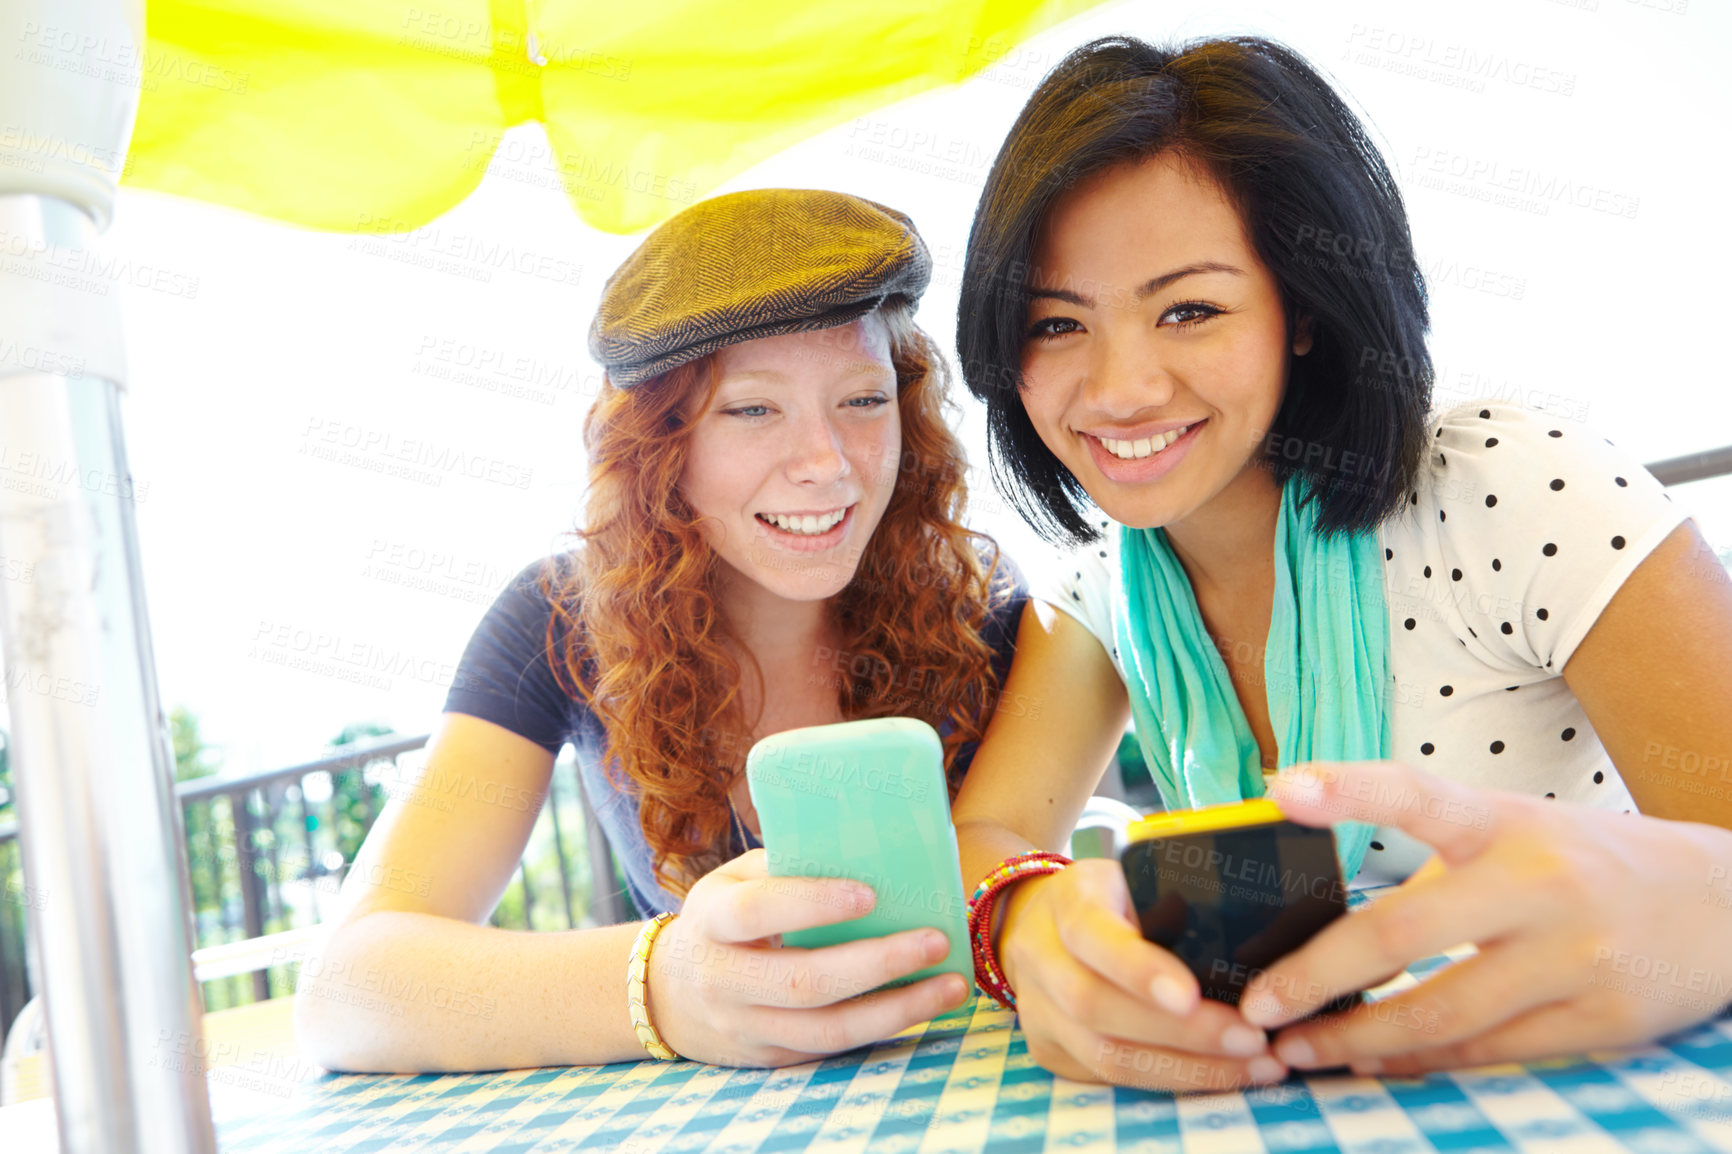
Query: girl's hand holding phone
(1098, 1003)
(1594, 928)
(721, 988)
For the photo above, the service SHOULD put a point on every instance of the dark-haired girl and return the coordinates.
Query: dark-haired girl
(1190, 301)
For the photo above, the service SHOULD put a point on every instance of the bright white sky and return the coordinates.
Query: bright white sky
(254, 548)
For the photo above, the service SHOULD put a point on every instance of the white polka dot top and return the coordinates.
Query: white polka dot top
(1521, 529)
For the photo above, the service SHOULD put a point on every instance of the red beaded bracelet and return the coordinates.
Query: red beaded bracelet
(987, 972)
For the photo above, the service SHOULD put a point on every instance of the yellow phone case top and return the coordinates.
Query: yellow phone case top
(1235, 815)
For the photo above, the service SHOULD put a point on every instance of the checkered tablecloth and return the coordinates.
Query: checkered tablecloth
(966, 1083)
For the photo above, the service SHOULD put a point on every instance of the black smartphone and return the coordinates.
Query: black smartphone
(1230, 889)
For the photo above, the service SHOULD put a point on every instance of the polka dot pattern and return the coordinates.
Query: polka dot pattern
(1523, 533)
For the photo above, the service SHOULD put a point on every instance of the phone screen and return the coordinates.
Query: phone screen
(1231, 901)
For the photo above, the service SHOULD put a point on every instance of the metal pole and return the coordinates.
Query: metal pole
(99, 825)
(1693, 466)
(252, 885)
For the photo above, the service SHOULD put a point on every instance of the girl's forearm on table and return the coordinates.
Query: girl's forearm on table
(393, 991)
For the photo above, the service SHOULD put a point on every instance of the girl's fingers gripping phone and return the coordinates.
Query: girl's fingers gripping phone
(1073, 1049)
(1099, 929)
(793, 978)
(861, 1021)
(1082, 961)
(742, 903)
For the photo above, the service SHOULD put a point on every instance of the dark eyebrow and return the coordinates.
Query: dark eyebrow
(1148, 289)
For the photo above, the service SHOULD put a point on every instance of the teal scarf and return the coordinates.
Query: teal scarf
(1326, 667)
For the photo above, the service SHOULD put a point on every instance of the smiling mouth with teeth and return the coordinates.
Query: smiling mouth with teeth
(1147, 447)
(805, 526)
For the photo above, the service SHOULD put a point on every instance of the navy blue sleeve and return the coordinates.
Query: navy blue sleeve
(1010, 594)
(505, 675)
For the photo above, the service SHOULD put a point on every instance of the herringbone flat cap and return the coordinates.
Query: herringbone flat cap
(752, 264)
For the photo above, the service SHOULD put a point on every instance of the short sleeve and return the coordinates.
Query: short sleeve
(1009, 595)
(505, 675)
(1080, 582)
(1538, 521)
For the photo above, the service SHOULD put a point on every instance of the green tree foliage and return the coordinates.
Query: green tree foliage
(192, 757)
(354, 801)
(11, 866)
(209, 834)
(14, 988)
(5, 777)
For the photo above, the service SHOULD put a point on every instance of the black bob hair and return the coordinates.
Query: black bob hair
(1321, 210)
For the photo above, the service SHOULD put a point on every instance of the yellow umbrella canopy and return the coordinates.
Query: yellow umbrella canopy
(379, 115)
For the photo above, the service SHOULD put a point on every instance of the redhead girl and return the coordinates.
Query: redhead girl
(1191, 303)
(772, 539)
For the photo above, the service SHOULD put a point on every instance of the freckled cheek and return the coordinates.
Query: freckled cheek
(875, 456)
(691, 484)
(714, 484)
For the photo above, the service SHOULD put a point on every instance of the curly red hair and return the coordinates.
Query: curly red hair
(637, 635)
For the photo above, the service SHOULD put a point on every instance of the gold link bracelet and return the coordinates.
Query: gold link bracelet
(634, 989)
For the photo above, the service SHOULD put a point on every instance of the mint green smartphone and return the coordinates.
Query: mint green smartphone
(865, 800)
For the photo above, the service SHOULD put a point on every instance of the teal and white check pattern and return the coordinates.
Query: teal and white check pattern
(966, 1083)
